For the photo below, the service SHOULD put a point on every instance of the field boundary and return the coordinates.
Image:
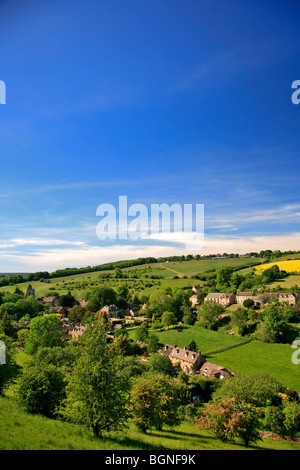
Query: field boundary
(216, 351)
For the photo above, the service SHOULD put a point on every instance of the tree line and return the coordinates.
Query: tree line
(19, 278)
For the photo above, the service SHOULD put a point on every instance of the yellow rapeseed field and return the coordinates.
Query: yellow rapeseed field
(289, 266)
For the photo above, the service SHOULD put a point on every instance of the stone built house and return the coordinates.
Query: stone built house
(221, 298)
(116, 312)
(226, 299)
(192, 362)
(53, 301)
(194, 299)
(289, 297)
(213, 370)
(242, 296)
(73, 330)
(189, 361)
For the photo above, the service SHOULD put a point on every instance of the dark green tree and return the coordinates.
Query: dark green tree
(155, 402)
(41, 388)
(96, 395)
(100, 297)
(45, 331)
(66, 300)
(6, 326)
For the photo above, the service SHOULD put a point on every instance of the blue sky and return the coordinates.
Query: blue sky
(169, 101)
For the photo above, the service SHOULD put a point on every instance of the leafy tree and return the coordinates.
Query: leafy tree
(236, 280)
(168, 319)
(223, 276)
(201, 296)
(210, 313)
(153, 343)
(277, 328)
(19, 291)
(64, 358)
(229, 419)
(155, 401)
(12, 297)
(28, 306)
(160, 363)
(192, 346)
(291, 413)
(104, 319)
(142, 333)
(131, 366)
(45, 331)
(239, 317)
(274, 419)
(100, 297)
(117, 273)
(159, 302)
(6, 326)
(97, 391)
(123, 295)
(180, 303)
(66, 300)
(78, 314)
(258, 389)
(122, 346)
(189, 318)
(271, 274)
(41, 388)
(9, 308)
(22, 336)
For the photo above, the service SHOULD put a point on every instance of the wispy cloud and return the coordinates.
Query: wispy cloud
(55, 258)
(18, 242)
(250, 217)
(229, 64)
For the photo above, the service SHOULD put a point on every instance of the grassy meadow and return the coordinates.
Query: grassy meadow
(143, 280)
(255, 356)
(237, 353)
(207, 341)
(20, 430)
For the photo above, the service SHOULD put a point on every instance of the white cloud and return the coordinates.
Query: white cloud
(15, 242)
(52, 259)
(284, 214)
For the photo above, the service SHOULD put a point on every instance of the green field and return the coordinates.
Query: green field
(240, 356)
(79, 284)
(207, 341)
(275, 359)
(22, 431)
(191, 267)
(286, 283)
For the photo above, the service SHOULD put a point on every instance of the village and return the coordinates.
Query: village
(190, 362)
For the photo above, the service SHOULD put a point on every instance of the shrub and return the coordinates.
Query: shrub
(41, 389)
(155, 401)
(229, 419)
